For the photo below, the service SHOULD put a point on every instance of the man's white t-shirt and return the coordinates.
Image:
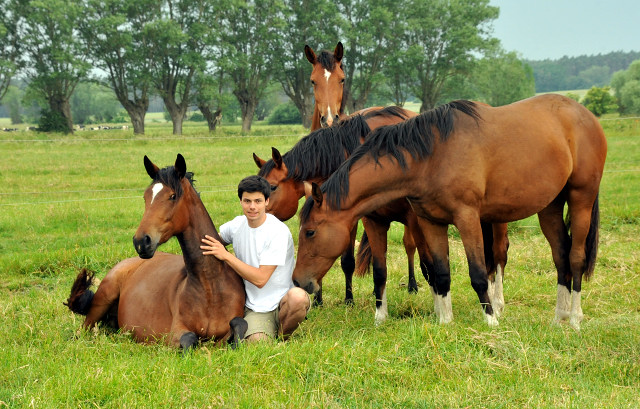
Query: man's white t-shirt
(270, 244)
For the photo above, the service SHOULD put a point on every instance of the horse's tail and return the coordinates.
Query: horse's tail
(81, 297)
(363, 258)
(591, 244)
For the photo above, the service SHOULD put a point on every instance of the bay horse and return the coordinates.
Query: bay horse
(327, 78)
(465, 163)
(315, 157)
(167, 297)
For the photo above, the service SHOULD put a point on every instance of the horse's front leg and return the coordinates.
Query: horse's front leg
(377, 234)
(348, 264)
(439, 275)
(468, 224)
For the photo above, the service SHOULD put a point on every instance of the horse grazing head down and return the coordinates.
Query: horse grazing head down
(327, 78)
(166, 206)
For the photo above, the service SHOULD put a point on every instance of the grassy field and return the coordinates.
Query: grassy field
(67, 202)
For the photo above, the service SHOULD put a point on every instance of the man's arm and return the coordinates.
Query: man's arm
(256, 276)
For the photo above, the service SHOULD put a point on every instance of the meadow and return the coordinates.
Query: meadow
(73, 201)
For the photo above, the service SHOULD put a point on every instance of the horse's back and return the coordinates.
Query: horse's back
(147, 296)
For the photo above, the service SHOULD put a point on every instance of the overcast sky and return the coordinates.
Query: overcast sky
(541, 29)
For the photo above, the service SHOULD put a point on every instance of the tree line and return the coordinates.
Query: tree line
(207, 53)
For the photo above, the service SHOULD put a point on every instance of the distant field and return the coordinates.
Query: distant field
(73, 201)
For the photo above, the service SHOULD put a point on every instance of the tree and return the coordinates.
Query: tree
(10, 22)
(250, 35)
(443, 36)
(502, 78)
(626, 85)
(366, 47)
(600, 101)
(319, 30)
(12, 101)
(93, 103)
(211, 97)
(182, 38)
(56, 58)
(113, 31)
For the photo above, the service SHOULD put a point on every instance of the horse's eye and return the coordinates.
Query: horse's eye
(310, 233)
(172, 197)
(342, 81)
(273, 188)
(313, 83)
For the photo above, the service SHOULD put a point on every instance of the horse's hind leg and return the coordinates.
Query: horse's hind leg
(555, 231)
(377, 233)
(102, 305)
(409, 243)
(499, 254)
(348, 264)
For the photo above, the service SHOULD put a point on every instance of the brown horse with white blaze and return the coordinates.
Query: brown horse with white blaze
(463, 164)
(167, 297)
(327, 78)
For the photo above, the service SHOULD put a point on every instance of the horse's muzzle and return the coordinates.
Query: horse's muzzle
(309, 287)
(145, 246)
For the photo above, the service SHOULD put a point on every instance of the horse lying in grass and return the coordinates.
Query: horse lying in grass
(165, 297)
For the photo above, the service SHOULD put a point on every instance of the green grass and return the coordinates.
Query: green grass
(72, 201)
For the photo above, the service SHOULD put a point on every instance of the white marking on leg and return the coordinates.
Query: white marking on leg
(563, 303)
(436, 302)
(491, 320)
(156, 189)
(382, 312)
(446, 312)
(576, 310)
(498, 292)
(327, 74)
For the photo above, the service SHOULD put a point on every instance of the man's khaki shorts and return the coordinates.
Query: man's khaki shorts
(266, 322)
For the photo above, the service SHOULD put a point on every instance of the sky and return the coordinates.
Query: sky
(551, 29)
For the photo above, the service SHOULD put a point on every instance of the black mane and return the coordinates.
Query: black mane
(414, 136)
(169, 177)
(327, 60)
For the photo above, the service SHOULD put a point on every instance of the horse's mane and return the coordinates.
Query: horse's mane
(168, 176)
(414, 136)
(320, 153)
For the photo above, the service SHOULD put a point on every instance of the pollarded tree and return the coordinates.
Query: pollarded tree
(250, 34)
(181, 39)
(443, 37)
(55, 58)
(10, 21)
(113, 31)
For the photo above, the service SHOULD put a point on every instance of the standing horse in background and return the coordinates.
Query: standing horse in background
(315, 157)
(167, 297)
(463, 164)
(327, 78)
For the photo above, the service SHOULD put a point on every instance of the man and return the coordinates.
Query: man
(264, 258)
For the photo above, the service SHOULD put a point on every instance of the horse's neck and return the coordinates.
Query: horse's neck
(372, 187)
(190, 240)
(315, 119)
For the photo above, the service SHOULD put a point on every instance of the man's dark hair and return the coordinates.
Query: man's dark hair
(254, 183)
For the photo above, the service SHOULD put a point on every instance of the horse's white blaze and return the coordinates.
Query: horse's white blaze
(155, 190)
(327, 74)
(382, 313)
(563, 303)
(329, 116)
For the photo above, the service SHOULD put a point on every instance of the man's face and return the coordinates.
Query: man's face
(254, 207)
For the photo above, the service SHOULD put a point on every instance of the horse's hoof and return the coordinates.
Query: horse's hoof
(348, 301)
(491, 320)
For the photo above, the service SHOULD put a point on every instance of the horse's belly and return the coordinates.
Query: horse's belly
(145, 301)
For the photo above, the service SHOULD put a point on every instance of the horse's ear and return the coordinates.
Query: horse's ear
(307, 189)
(277, 158)
(258, 161)
(316, 193)
(311, 56)
(180, 166)
(152, 170)
(338, 52)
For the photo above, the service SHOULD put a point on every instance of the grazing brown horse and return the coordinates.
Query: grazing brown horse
(327, 78)
(464, 163)
(167, 297)
(315, 157)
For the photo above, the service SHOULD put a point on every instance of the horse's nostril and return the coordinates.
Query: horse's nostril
(147, 240)
(296, 283)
